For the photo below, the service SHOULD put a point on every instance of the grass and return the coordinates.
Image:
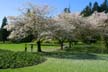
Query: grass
(65, 65)
(62, 61)
(21, 47)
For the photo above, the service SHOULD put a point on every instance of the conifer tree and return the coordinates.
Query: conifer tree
(96, 7)
(87, 10)
(3, 32)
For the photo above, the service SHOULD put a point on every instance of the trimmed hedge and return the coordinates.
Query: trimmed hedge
(9, 59)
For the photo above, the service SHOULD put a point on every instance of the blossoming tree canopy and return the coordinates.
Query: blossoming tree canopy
(97, 19)
(32, 21)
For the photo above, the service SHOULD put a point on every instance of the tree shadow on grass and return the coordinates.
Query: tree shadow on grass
(70, 55)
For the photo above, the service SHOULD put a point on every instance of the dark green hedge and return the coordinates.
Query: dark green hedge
(9, 59)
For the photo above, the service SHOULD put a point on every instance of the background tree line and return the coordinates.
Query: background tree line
(91, 8)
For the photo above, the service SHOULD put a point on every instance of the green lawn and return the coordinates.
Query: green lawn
(65, 65)
(63, 61)
(21, 46)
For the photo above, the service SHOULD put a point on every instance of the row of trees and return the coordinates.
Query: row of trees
(66, 26)
(90, 9)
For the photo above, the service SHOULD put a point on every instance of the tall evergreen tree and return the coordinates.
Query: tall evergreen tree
(4, 22)
(4, 33)
(67, 10)
(96, 7)
(87, 10)
(104, 6)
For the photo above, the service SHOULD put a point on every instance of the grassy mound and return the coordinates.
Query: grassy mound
(9, 59)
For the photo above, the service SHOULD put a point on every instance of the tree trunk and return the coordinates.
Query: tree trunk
(25, 47)
(70, 44)
(3, 41)
(31, 47)
(102, 42)
(39, 46)
(61, 43)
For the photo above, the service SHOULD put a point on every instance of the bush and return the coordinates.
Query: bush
(9, 59)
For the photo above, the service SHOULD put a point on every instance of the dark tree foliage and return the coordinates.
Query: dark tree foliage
(3, 32)
(27, 39)
(89, 9)
(4, 22)
(67, 10)
(104, 6)
(96, 7)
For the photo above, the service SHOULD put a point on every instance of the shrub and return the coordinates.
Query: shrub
(9, 59)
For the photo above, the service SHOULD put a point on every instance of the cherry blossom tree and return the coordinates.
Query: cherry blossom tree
(67, 24)
(33, 21)
(99, 21)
